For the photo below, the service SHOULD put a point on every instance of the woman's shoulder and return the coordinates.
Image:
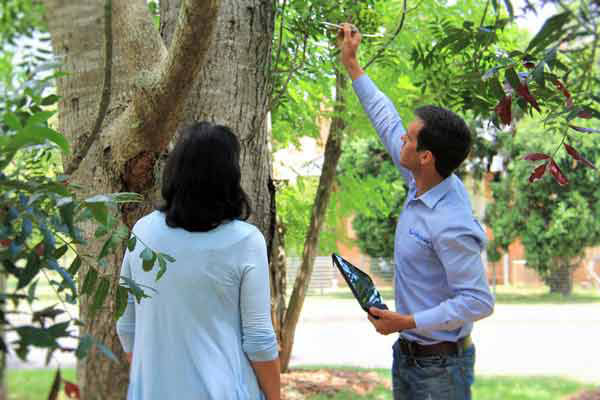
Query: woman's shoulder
(245, 229)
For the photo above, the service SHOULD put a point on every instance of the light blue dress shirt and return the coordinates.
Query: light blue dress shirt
(439, 275)
(209, 316)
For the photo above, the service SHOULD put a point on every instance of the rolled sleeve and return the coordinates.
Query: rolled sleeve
(258, 337)
(459, 249)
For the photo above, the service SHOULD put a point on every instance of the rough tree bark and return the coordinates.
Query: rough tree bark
(126, 93)
(333, 150)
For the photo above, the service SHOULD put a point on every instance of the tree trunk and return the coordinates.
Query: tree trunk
(233, 89)
(278, 273)
(333, 150)
(560, 279)
(122, 99)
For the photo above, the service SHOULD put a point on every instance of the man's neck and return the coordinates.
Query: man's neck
(425, 181)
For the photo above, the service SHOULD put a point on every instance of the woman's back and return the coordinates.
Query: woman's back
(209, 314)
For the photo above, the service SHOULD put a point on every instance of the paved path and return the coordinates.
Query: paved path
(561, 340)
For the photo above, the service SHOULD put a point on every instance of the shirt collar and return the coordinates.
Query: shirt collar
(431, 197)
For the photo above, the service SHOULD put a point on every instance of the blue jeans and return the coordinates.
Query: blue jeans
(433, 377)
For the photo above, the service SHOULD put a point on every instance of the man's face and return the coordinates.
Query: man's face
(409, 157)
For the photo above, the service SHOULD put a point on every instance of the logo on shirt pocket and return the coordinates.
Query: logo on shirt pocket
(420, 238)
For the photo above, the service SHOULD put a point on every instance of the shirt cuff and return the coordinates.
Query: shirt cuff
(364, 87)
(264, 355)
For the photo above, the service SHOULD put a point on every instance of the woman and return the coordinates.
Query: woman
(206, 332)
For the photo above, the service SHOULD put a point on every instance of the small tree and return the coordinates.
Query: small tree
(366, 167)
(555, 223)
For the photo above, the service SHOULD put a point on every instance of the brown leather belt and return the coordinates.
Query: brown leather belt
(441, 348)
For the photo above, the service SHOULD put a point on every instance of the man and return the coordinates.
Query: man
(440, 283)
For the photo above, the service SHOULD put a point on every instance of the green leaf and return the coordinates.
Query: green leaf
(168, 257)
(38, 133)
(162, 267)
(31, 292)
(38, 118)
(100, 295)
(49, 100)
(135, 289)
(30, 271)
(131, 243)
(512, 78)
(121, 301)
(107, 352)
(36, 336)
(496, 88)
(85, 344)
(89, 282)
(538, 74)
(99, 211)
(75, 265)
(58, 253)
(12, 121)
(148, 257)
(67, 213)
(550, 31)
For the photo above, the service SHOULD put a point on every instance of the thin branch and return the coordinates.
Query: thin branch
(87, 140)
(280, 33)
(485, 10)
(292, 71)
(382, 49)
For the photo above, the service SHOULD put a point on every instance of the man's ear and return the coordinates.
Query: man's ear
(427, 157)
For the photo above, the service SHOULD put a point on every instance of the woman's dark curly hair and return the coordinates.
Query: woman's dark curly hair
(201, 181)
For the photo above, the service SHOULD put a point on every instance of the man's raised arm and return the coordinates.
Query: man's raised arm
(379, 108)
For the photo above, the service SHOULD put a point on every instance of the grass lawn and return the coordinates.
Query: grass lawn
(504, 295)
(490, 388)
(35, 384)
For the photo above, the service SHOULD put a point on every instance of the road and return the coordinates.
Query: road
(558, 340)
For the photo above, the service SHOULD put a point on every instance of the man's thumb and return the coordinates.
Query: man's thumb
(376, 311)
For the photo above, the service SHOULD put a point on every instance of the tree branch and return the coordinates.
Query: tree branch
(133, 25)
(82, 150)
(149, 123)
(382, 49)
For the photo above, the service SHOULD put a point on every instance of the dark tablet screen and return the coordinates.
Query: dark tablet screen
(360, 283)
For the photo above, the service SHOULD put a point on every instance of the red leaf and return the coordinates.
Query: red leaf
(577, 156)
(584, 130)
(536, 157)
(559, 85)
(528, 64)
(538, 173)
(557, 173)
(503, 110)
(71, 390)
(585, 114)
(523, 91)
(39, 249)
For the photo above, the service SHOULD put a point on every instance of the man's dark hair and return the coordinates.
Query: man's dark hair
(201, 181)
(446, 135)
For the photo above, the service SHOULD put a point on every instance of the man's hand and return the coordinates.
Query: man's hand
(348, 43)
(390, 322)
(129, 357)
